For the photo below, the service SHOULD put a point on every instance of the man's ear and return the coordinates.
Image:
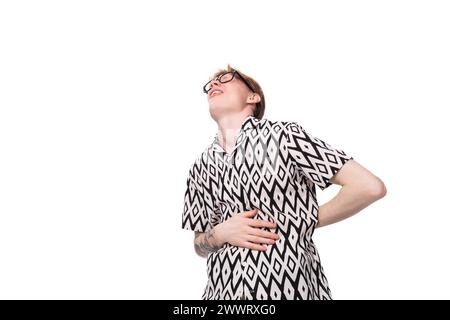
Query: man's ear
(253, 98)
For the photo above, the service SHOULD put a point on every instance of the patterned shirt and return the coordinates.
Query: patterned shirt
(275, 167)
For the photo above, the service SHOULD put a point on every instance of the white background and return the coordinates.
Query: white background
(102, 113)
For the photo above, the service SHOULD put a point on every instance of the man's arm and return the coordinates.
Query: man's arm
(359, 189)
(206, 242)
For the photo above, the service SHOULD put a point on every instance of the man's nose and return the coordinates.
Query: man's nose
(215, 82)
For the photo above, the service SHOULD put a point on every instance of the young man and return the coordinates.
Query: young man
(251, 198)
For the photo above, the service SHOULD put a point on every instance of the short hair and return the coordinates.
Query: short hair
(260, 106)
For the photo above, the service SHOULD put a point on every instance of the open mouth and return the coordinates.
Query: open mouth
(215, 93)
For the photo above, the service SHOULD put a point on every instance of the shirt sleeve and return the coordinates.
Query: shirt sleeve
(317, 159)
(195, 216)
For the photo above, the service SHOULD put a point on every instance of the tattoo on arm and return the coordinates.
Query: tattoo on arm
(204, 243)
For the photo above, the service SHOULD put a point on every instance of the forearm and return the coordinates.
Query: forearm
(207, 242)
(348, 201)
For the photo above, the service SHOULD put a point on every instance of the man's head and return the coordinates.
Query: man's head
(237, 93)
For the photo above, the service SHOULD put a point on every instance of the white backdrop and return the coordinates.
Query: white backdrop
(102, 113)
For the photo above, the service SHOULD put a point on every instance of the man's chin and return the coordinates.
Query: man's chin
(215, 111)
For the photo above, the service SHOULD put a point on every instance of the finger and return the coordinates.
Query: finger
(261, 223)
(256, 239)
(250, 213)
(254, 246)
(264, 234)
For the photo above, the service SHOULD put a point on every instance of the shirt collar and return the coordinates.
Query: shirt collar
(249, 123)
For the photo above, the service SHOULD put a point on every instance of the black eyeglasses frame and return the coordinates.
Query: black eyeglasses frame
(234, 72)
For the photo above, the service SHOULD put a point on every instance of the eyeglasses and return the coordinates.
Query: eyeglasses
(224, 78)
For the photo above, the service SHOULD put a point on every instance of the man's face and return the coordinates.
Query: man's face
(231, 97)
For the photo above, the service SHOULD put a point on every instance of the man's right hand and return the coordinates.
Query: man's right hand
(243, 230)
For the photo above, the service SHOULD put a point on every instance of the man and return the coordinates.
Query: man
(251, 198)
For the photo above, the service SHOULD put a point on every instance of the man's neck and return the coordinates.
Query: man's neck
(228, 129)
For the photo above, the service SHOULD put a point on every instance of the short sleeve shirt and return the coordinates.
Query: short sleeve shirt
(275, 166)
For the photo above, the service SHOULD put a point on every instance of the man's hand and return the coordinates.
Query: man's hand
(243, 230)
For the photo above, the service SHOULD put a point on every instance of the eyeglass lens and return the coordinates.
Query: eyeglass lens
(225, 77)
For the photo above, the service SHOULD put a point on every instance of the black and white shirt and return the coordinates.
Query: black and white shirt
(275, 167)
